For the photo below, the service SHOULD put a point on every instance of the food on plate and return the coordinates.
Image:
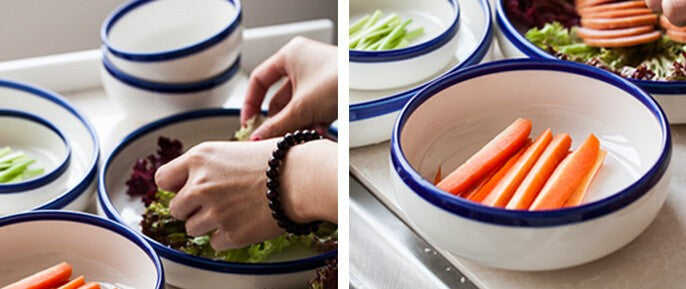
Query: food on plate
(326, 277)
(372, 32)
(619, 36)
(54, 277)
(514, 173)
(14, 166)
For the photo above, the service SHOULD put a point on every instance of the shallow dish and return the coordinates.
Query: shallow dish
(174, 41)
(671, 95)
(372, 112)
(39, 139)
(79, 186)
(451, 118)
(97, 248)
(183, 270)
(422, 59)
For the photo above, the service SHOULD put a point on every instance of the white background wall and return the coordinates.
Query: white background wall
(31, 28)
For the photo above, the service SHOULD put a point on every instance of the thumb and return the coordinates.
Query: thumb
(287, 120)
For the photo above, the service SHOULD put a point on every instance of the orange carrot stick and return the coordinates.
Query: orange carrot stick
(90, 285)
(481, 193)
(74, 284)
(502, 147)
(506, 187)
(437, 178)
(46, 279)
(580, 193)
(469, 193)
(539, 174)
(567, 176)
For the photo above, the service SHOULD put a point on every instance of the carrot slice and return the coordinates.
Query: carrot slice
(587, 33)
(485, 160)
(48, 278)
(90, 285)
(567, 176)
(622, 22)
(617, 13)
(480, 194)
(556, 151)
(580, 193)
(74, 284)
(437, 178)
(613, 6)
(506, 187)
(678, 36)
(624, 41)
(469, 193)
(664, 23)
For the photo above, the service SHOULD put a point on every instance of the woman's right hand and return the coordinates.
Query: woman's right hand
(674, 10)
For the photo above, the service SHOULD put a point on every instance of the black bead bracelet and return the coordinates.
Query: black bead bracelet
(289, 140)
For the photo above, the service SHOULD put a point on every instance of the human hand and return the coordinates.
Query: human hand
(308, 98)
(674, 10)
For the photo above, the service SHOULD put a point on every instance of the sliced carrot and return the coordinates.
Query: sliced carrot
(613, 6)
(506, 187)
(622, 22)
(74, 284)
(437, 178)
(617, 13)
(48, 278)
(567, 176)
(90, 285)
(678, 36)
(469, 193)
(592, 3)
(527, 191)
(587, 33)
(580, 192)
(503, 146)
(480, 194)
(664, 23)
(624, 41)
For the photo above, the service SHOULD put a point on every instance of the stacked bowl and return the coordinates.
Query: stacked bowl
(162, 57)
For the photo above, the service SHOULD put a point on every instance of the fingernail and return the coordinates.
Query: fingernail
(255, 138)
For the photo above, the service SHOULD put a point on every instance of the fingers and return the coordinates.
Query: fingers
(222, 240)
(286, 120)
(173, 175)
(281, 98)
(655, 5)
(261, 79)
(675, 11)
(184, 204)
(201, 223)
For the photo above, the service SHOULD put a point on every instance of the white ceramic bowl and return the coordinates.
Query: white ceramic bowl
(141, 98)
(373, 112)
(401, 67)
(174, 41)
(671, 95)
(39, 139)
(80, 177)
(183, 270)
(452, 118)
(101, 250)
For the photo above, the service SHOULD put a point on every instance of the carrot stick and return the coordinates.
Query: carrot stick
(567, 176)
(469, 193)
(503, 146)
(46, 279)
(90, 285)
(506, 187)
(437, 178)
(481, 193)
(539, 174)
(74, 284)
(580, 193)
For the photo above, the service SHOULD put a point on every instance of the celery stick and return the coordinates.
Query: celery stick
(357, 26)
(4, 166)
(372, 20)
(365, 32)
(29, 174)
(397, 32)
(12, 157)
(375, 46)
(4, 151)
(372, 38)
(402, 43)
(16, 179)
(414, 34)
(15, 170)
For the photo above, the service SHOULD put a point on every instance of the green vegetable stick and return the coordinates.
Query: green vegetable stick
(4, 151)
(372, 20)
(397, 32)
(12, 157)
(365, 32)
(357, 26)
(29, 174)
(402, 43)
(16, 169)
(373, 38)
(414, 34)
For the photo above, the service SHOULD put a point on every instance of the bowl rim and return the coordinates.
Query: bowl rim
(298, 265)
(93, 220)
(169, 54)
(174, 88)
(514, 218)
(68, 196)
(419, 49)
(394, 102)
(41, 180)
(531, 50)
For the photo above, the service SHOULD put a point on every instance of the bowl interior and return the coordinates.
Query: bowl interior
(453, 124)
(95, 252)
(163, 25)
(38, 141)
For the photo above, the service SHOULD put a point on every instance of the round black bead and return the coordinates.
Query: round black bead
(278, 154)
(282, 145)
(298, 135)
(274, 163)
(289, 139)
(274, 204)
(277, 214)
(273, 184)
(273, 173)
(281, 223)
(272, 194)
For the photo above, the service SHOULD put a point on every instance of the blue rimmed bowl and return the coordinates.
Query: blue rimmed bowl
(97, 248)
(372, 112)
(671, 95)
(174, 41)
(184, 270)
(76, 190)
(400, 67)
(452, 118)
(142, 98)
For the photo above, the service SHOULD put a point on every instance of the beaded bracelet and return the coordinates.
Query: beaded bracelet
(289, 140)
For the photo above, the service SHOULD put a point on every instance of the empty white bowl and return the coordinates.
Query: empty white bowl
(173, 41)
(452, 118)
(142, 98)
(40, 140)
(373, 112)
(184, 270)
(99, 249)
(80, 177)
(419, 61)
